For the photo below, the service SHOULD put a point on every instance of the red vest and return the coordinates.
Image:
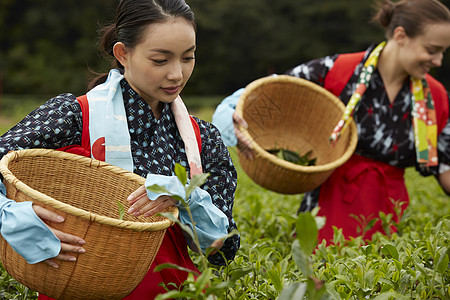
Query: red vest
(363, 186)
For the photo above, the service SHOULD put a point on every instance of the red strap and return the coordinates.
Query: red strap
(343, 68)
(440, 98)
(85, 139)
(197, 134)
(85, 147)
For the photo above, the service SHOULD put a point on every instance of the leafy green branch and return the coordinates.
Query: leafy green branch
(302, 249)
(199, 285)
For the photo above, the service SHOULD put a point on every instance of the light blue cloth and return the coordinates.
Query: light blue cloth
(107, 118)
(24, 230)
(211, 222)
(223, 118)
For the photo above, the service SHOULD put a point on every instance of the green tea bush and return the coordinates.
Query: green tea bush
(279, 257)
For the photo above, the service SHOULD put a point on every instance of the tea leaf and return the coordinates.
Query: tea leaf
(397, 264)
(442, 263)
(390, 251)
(173, 266)
(239, 273)
(312, 162)
(390, 295)
(121, 210)
(301, 259)
(306, 232)
(290, 156)
(203, 280)
(196, 181)
(173, 294)
(180, 171)
(158, 189)
(293, 157)
(367, 249)
(275, 278)
(295, 290)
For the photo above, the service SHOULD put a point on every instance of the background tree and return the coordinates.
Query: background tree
(47, 47)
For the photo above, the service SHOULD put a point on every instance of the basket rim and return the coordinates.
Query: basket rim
(74, 211)
(283, 163)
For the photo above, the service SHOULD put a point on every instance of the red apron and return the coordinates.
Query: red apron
(173, 250)
(361, 186)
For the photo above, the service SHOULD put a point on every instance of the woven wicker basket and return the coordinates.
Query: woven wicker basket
(85, 192)
(293, 114)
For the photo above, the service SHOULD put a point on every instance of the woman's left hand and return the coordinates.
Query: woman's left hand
(142, 205)
(217, 244)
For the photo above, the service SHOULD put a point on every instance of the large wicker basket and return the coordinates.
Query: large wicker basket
(85, 192)
(292, 114)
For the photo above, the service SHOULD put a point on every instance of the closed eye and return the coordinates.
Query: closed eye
(159, 61)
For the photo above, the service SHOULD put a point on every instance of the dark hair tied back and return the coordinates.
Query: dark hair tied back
(132, 17)
(412, 15)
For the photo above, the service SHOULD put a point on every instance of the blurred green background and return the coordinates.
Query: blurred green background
(48, 47)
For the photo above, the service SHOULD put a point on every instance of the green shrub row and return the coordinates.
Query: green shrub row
(278, 258)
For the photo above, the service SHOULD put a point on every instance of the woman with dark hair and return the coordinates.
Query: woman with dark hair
(137, 121)
(401, 113)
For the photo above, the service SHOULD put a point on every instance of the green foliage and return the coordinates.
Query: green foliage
(273, 262)
(11, 289)
(48, 46)
(279, 257)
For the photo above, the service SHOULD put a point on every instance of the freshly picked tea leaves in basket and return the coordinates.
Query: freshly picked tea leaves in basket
(293, 114)
(294, 157)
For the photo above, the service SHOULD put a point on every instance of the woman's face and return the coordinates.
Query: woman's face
(425, 51)
(160, 65)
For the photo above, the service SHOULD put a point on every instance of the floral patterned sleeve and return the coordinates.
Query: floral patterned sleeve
(221, 184)
(315, 70)
(55, 124)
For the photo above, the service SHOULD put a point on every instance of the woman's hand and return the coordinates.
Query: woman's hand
(69, 242)
(217, 244)
(142, 205)
(243, 143)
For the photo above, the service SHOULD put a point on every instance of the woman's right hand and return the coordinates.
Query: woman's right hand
(69, 243)
(243, 143)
